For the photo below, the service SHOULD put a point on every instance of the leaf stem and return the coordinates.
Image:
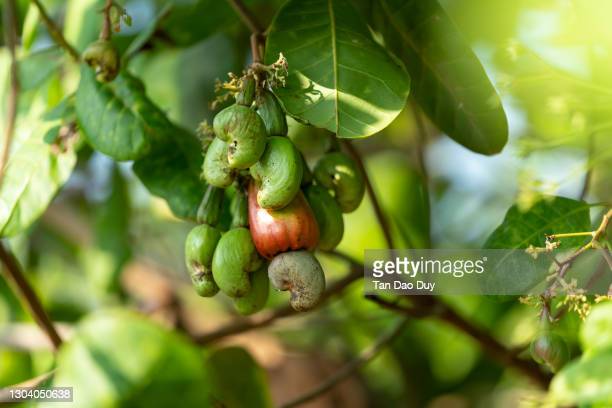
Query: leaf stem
(27, 294)
(352, 366)
(105, 32)
(55, 32)
(246, 16)
(10, 35)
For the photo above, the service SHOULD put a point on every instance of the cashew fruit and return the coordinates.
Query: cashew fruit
(244, 132)
(239, 209)
(338, 172)
(300, 273)
(328, 215)
(247, 91)
(210, 207)
(550, 350)
(235, 257)
(271, 113)
(102, 56)
(257, 297)
(278, 173)
(216, 169)
(292, 227)
(199, 249)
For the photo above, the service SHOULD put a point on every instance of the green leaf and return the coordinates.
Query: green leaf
(117, 118)
(33, 174)
(448, 81)
(339, 78)
(550, 215)
(584, 382)
(82, 22)
(119, 359)
(173, 173)
(36, 68)
(194, 20)
(236, 379)
(596, 331)
(30, 26)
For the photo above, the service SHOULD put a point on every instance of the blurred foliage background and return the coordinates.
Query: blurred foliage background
(105, 242)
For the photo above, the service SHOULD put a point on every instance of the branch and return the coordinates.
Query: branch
(32, 383)
(437, 309)
(27, 294)
(265, 319)
(422, 138)
(351, 367)
(380, 216)
(55, 32)
(246, 16)
(587, 176)
(105, 32)
(10, 34)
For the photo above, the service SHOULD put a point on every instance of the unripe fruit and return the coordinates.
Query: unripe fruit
(549, 349)
(235, 257)
(272, 114)
(102, 56)
(290, 228)
(257, 297)
(216, 169)
(278, 173)
(199, 249)
(300, 273)
(328, 216)
(339, 173)
(245, 134)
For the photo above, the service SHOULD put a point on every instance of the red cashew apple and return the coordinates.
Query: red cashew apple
(287, 229)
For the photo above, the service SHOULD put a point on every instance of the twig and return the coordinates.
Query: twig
(422, 131)
(27, 294)
(351, 367)
(105, 32)
(380, 216)
(437, 309)
(265, 319)
(10, 35)
(55, 32)
(246, 16)
(32, 383)
(587, 176)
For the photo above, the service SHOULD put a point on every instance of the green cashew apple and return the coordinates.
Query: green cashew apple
(234, 259)
(216, 169)
(301, 274)
(550, 350)
(103, 57)
(257, 297)
(209, 210)
(272, 114)
(245, 133)
(199, 250)
(328, 215)
(338, 172)
(278, 173)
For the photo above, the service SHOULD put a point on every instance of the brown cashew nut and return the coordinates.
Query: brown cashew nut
(301, 274)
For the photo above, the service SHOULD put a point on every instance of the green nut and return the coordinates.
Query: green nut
(234, 259)
(216, 169)
(339, 173)
(272, 114)
(278, 173)
(102, 56)
(328, 215)
(549, 349)
(301, 274)
(210, 207)
(244, 132)
(199, 249)
(257, 297)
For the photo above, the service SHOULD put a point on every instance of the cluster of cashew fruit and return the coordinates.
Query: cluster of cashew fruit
(281, 211)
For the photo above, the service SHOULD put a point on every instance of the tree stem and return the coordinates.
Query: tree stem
(27, 294)
(55, 32)
(351, 367)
